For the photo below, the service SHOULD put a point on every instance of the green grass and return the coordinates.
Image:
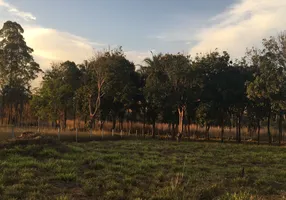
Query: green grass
(138, 169)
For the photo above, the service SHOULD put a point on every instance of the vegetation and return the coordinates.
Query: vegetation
(207, 90)
(142, 169)
(185, 94)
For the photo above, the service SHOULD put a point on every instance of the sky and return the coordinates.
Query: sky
(60, 30)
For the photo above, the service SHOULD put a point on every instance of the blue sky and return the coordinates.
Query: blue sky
(61, 30)
(134, 24)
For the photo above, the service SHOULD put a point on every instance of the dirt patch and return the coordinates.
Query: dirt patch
(29, 135)
(27, 138)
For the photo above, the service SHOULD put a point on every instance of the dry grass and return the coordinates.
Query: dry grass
(134, 129)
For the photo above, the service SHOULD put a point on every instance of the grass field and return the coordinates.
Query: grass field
(142, 169)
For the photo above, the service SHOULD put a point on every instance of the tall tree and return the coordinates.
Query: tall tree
(17, 66)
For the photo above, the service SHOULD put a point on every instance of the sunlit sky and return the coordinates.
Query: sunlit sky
(60, 30)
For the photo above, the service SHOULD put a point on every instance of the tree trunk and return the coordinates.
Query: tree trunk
(10, 114)
(280, 127)
(65, 119)
(56, 124)
(239, 129)
(131, 125)
(181, 119)
(258, 132)
(222, 128)
(236, 129)
(153, 127)
(113, 122)
(268, 128)
(144, 121)
(197, 131)
(91, 121)
(207, 131)
(2, 110)
(186, 127)
(173, 131)
(121, 124)
(101, 124)
(74, 119)
(189, 129)
(230, 125)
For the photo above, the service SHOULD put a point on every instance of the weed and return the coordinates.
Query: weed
(67, 177)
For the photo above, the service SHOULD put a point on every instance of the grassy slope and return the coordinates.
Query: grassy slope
(142, 170)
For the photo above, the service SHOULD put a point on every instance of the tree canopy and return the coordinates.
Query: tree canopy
(208, 89)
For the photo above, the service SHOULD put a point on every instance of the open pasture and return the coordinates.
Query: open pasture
(142, 169)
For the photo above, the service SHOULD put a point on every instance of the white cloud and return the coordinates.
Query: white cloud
(242, 25)
(137, 57)
(14, 11)
(51, 45)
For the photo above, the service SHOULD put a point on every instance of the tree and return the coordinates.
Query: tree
(268, 85)
(156, 88)
(181, 81)
(241, 74)
(218, 81)
(39, 106)
(108, 77)
(17, 66)
(56, 96)
(256, 112)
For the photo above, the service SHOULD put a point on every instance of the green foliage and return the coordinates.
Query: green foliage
(108, 85)
(268, 86)
(56, 98)
(17, 65)
(17, 70)
(207, 90)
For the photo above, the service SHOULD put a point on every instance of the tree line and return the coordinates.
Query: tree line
(208, 89)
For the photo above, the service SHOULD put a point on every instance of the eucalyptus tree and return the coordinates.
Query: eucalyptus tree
(17, 65)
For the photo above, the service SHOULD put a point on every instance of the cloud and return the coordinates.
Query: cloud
(242, 25)
(137, 57)
(51, 45)
(14, 11)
